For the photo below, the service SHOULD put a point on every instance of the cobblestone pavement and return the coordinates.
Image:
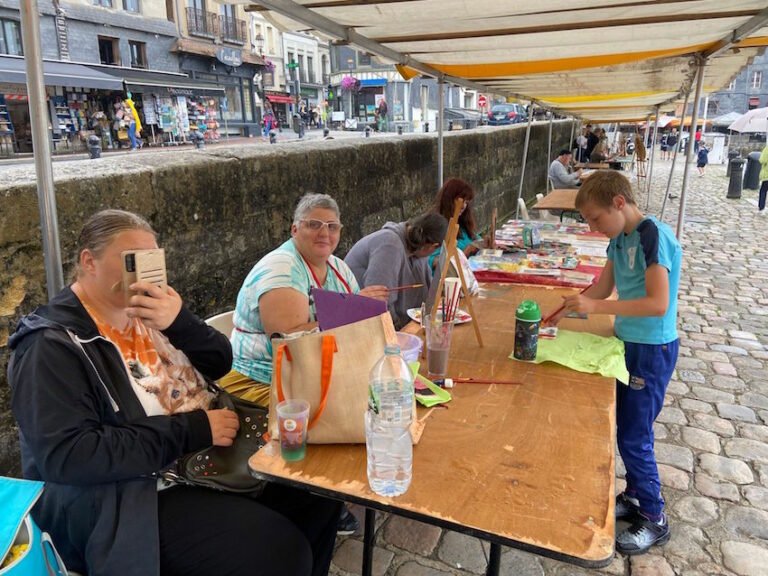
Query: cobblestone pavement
(711, 437)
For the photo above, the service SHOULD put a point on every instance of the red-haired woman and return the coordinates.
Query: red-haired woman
(468, 239)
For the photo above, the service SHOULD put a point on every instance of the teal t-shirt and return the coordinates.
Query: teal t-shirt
(652, 242)
(282, 268)
(462, 242)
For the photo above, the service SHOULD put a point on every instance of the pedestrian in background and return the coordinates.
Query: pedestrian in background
(702, 158)
(763, 180)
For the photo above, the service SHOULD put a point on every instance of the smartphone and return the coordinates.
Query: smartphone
(146, 265)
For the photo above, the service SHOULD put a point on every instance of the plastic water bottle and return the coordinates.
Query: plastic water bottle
(387, 424)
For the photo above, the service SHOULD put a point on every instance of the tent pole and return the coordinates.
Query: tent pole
(440, 108)
(689, 149)
(647, 129)
(46, 198)
(674, 156)
(573, 131)
(653, 155)
(525, 158)
(549, 148)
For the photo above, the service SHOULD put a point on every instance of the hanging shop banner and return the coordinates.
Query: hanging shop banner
(230, 56)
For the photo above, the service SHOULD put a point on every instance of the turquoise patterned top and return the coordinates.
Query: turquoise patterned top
(282, 268)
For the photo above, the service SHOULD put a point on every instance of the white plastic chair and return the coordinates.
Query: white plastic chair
(545, 214)
(523, 209)
(222, 322)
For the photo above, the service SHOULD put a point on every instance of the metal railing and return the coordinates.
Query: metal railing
(202, 23)
(232, 29)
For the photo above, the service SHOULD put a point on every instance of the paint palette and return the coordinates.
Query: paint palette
(461, 316)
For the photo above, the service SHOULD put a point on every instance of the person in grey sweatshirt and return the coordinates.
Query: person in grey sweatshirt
(396, 256)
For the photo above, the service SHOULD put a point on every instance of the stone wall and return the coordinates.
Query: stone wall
(218, 211)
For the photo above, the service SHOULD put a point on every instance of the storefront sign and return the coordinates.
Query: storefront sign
(180, 91)
(312, 93)
(230, 56)
(20, 89)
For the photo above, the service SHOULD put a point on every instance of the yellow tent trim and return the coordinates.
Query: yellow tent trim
(595, 97)
(406, 72)
(755, 42)
(502, 69)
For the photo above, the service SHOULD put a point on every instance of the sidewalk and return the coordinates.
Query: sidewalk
(711, 436)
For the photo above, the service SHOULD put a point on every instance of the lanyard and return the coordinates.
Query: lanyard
(314, 276)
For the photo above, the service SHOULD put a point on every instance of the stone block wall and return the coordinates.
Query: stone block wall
(218, 211)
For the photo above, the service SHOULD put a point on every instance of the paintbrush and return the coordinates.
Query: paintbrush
(556, 312)
(483, 381)
(408, 287)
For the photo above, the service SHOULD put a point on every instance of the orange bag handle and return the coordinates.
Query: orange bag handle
(326, 371)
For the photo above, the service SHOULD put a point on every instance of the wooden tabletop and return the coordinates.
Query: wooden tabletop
(594, 165)
(558, 199)
(529, 465)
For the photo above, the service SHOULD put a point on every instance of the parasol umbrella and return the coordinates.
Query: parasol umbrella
(753, 121)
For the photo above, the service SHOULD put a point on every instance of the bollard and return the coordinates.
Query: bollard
(752, 173)
(94, 146)
(367, 131)
(400, 130)
(326, 132)
(426, 126)
(731, 155)
(450, 125)
(734, 184)
(273, 136)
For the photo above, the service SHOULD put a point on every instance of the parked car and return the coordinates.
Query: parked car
(501, 114)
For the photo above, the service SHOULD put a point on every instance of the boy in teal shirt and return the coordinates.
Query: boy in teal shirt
(644, 266)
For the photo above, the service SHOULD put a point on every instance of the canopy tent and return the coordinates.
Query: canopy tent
(675, 123)
(726, 119)
(615, 62)
(754, 121)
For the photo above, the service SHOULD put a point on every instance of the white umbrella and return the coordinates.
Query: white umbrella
(727, 119)
(755, 121)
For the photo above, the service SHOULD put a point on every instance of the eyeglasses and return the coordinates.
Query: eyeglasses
(317, 225)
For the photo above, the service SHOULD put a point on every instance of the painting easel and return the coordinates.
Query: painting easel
(451, 252)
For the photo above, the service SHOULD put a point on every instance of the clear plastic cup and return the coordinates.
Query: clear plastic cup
(438, 346)
(292, 419)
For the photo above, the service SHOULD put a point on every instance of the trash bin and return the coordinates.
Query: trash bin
(298, 125)
(94, 146)
(752, 174)
(734, 184)
(731, 155)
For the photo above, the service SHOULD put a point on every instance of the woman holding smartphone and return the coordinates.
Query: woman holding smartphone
(107, 394)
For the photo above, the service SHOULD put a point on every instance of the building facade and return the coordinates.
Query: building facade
(186, 68)
(272, 91)
(748, 90)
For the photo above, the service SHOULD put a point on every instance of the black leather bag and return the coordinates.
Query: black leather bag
(226, 467)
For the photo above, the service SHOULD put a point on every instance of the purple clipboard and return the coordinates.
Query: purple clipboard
(334, 309)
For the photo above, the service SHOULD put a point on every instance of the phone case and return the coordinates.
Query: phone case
(147, 265)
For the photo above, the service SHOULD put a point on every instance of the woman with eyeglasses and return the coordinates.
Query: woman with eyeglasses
(395, 256)
(275, 295)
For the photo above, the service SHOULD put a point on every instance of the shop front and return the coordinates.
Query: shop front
(74, 95)
(282, 106)
(233, 71)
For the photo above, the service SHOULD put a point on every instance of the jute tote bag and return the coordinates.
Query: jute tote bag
(330, 370)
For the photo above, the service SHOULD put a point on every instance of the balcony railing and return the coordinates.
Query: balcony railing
(202, 23)
(232, 29)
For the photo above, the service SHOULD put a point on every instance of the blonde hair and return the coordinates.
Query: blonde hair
(101, 228)
(602, 187)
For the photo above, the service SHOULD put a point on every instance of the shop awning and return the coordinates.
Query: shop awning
(162, 83)
(280, 99)
(597, 60)
(373, 82)
(13, 71)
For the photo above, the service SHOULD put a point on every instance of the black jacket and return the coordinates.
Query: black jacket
(84, 432)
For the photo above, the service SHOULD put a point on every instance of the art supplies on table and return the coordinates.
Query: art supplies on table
(461, 317)
(548, 332)
(427, 393)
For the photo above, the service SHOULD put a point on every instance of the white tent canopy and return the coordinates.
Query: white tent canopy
(614, 62)
(726, 119)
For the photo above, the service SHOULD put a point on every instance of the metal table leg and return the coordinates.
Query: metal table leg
(368, 536)
(494, 561)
